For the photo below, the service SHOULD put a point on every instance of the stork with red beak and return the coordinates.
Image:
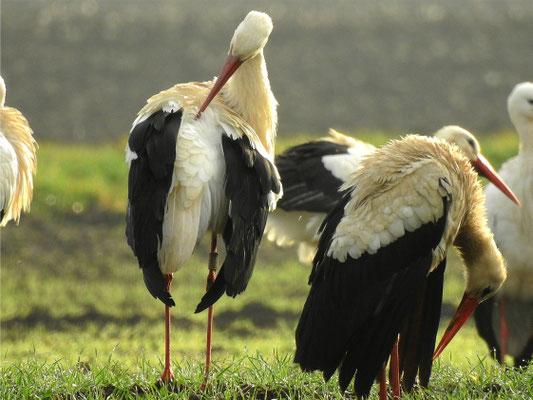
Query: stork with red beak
(18, 161)
(201, 159)
(312, 173)
(505, 322)
(378, 271)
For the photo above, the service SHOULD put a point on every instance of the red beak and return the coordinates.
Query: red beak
(463, 312)
(229, 68)
(485, 169)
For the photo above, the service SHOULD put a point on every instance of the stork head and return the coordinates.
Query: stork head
(461, 138)
(485, 274)
(250, 36)
(248, 41)
(471, 149)
(2, 92)
(520, 104)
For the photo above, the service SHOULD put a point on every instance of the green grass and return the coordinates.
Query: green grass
(75, 178)
(249, 377)
(77, 321)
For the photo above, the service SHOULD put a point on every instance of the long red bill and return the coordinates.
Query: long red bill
(229, 68)
(463, 312)
(485, 169)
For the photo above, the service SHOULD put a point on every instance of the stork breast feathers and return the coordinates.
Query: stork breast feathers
(381, 211)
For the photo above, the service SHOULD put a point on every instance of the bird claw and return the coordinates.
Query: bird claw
(167, 376)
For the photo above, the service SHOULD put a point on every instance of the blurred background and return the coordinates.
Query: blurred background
(81, 69)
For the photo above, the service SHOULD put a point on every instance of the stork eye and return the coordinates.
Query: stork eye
(471, 143)
(530, 101)
(486, 292)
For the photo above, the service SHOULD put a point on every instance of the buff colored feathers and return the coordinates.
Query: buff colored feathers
(18, 161)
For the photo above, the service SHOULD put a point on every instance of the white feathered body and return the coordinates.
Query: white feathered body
(196, 201)
(18, 164)
(513, 226)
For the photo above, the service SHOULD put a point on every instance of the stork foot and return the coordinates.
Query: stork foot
(167, 376)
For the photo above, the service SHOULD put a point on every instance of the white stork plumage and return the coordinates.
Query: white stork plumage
(312, 173)
(201, 161)
(506, 321)
(378, 271)
(18, 161)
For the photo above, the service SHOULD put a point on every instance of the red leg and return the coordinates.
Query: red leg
(167, 372)
(383, 382)
(210, 279)
(394, 371)
(504, 331)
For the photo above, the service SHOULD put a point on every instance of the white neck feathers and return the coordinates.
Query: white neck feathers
(248, 93)
(524, 127)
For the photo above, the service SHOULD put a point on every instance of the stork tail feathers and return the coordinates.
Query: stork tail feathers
(214, 293)
(157, 285)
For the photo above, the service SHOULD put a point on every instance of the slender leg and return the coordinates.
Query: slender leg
(167, 372)
(504, 331)
(210, 279)
(394, 372)
(383, 382)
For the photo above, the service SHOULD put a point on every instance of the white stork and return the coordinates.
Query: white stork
(192, 173)
(512, 332)
(18, 161)
(313, 172)
(378, 271)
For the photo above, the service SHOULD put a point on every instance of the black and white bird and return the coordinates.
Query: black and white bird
(505, 322)
(18, 161)
(379, 268)
(201, 161)
(312, 173)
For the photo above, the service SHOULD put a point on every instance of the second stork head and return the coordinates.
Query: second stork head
(472, 150)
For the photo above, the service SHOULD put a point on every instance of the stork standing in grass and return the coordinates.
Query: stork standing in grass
(201, 161)
(506, 321)
(313, 172)
(18, 161)
(379, 267)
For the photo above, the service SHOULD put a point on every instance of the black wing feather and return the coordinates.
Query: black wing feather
(483, 316)
(355, 309)
(250, 178)
(150, 177)
(417, 338)
(307, 184)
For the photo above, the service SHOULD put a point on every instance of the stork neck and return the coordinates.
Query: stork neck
(471, 243)
(248, 93)
(524, 128)
(2, 93)
(483, 261)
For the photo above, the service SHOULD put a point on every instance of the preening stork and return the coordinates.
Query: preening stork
(378, 271)
(505, 322)
(313, 172)
(18, 161)
(201, 161)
